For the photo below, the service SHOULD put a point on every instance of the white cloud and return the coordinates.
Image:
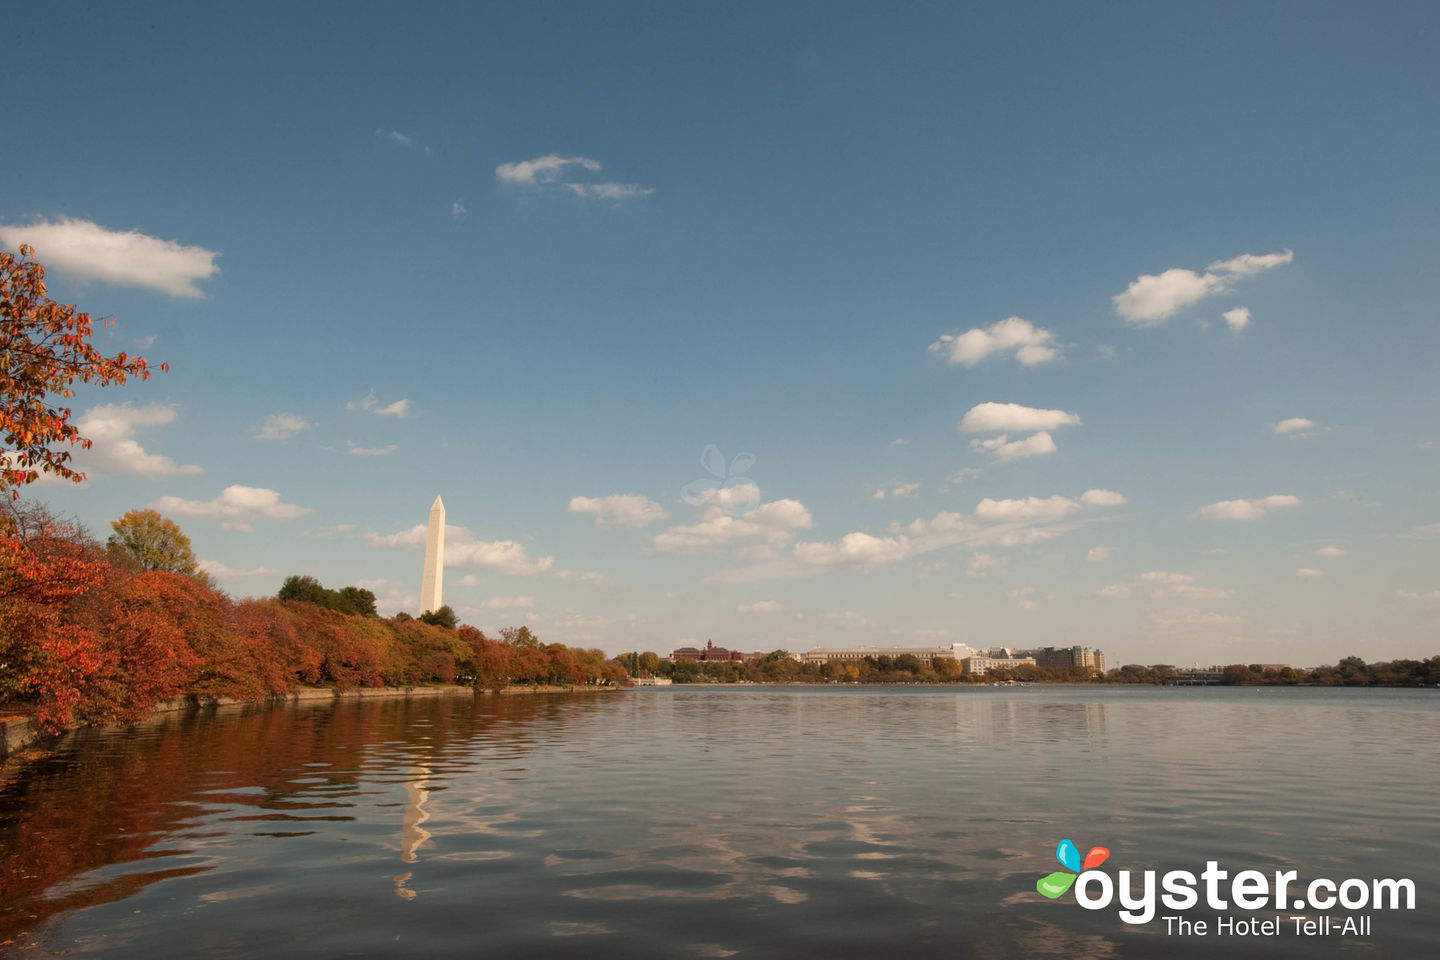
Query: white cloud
(1003, 450)
(1154, 298)
(899, 490)
(1238, 318)
(1294, 425)
(464, 549)
(1116, 591)
(608, 191)
(1309, 572)
(620, 510)
(773, 522)
(508, 603)
(1102, 498)
(1426, 530)
(217, 569)
(505, 556)
(995, 523)
(995, 417)
(458, 209)
(1330, 550)
(963, 474)
(761, 606)
(899, 442)
(1032, 345)
(860, 550)
(1412, 595)
(1248, 509)
(358, 451)
(112, 427)
(237, 505)
(91, 252)
(726, 498)
(1021, 511)
(541, 169)
(281, 426)
(1097, 554)
(399, 409)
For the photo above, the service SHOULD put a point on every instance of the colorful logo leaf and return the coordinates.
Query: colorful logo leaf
(1055, 884)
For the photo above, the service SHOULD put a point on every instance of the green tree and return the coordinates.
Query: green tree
(362, 600)
(444, 617)
(520, 637)
(145, 540)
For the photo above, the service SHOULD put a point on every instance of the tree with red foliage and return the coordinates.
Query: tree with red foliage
(44, 348)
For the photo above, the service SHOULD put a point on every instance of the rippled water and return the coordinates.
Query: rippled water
(711, 822)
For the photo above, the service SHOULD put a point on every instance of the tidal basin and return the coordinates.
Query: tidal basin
(715, 822)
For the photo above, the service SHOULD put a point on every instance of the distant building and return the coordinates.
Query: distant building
(926, 655)
(713, 654)
(1077, 657)
(981, 665)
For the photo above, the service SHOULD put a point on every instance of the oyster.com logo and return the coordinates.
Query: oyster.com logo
(1320, 907)
(1054, 885)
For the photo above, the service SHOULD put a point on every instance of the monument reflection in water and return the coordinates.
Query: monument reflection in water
(708, 822)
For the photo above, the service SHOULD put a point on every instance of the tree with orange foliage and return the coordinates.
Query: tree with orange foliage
(44, 348)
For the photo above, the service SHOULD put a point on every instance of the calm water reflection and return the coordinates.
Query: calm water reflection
(751, 822)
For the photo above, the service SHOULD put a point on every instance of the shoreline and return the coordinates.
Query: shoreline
(24, 733)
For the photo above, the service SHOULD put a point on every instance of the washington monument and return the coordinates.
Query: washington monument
(434, 559)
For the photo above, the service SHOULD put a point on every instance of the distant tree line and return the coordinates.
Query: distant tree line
(780, 667)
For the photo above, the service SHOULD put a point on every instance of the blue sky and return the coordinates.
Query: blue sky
(570, 247)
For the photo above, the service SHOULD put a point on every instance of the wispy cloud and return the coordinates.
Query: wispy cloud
(217, 569)
(620, 510)
(398, 409)
(238, 506)
(542, 169)
(1248, 509)
(355, 450)
(281, 426)
(609, 191)
(404, 139)
(91, 252)
(552, 167)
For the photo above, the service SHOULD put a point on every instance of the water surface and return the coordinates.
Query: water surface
(711, 822)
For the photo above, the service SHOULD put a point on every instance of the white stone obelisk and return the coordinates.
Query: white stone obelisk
(430, 585)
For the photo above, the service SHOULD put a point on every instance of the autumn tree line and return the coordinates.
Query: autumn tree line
(100, 633)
